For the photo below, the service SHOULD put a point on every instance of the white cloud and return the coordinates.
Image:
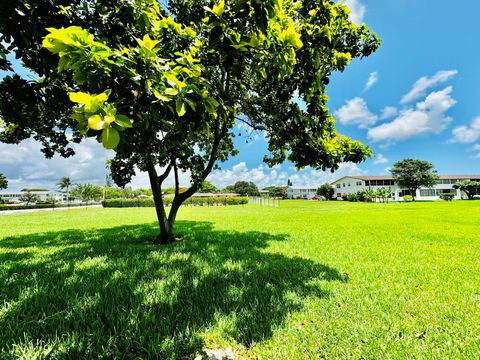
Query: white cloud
(424, 83)
(389, 112)
(25, 165)
(357, 9)
(467, 134)
(427, 117)
(380, 159)
(355, 112)
(372, 80)
(263, 176)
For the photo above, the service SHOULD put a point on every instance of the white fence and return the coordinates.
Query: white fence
(263, 201)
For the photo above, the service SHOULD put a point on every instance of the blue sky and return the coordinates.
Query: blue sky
(416, 97)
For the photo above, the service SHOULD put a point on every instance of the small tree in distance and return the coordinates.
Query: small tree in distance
(65, 184)
(246, 188)
(207, 187)
(326, 190)
(470, 188)
(28, 198)
(413, 174)
(3, 182)
(87, 192)
(279, 192)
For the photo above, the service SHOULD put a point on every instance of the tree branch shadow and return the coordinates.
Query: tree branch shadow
(110, 293)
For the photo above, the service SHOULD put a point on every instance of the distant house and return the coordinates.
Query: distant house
(301, 192)
(43, 195)
(353, 184)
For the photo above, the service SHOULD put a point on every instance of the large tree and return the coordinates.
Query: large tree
(3, 182)
(413, 174)
(164, 85)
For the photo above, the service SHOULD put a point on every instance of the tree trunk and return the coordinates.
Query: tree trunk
(414, 194)
(166, 235)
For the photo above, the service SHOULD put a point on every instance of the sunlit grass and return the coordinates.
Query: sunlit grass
(306, 280)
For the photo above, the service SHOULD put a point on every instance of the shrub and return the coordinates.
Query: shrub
(344, 197)
(352, 197)
(39, 206)
(447, 196)
(408, 198)
(194, 201)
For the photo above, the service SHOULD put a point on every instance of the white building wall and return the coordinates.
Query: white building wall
(302, 193)
(352, 185)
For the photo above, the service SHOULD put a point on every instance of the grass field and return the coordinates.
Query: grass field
(306, 280)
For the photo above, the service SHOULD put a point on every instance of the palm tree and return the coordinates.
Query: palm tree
(65, 184)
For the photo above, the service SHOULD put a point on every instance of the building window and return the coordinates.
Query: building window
(343, 184)
(339, 186)
(359, 183)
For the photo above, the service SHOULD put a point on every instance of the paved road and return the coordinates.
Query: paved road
(10, 212)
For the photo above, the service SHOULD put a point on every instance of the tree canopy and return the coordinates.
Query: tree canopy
(164, 85)
(87, 192)
(412, 174)
(207, 187)
(246, 188)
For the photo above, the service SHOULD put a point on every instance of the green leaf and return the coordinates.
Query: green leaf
(181, 107)
(110, 138)
(190, 103)
(124, 121)
(96, 122)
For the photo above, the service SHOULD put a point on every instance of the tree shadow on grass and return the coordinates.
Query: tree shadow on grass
(110, 293)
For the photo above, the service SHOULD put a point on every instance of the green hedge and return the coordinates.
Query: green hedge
(195, 201)
(39, 206)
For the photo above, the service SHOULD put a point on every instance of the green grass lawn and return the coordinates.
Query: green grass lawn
(306, 280)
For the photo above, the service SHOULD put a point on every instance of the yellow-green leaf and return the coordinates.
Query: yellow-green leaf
(81, 98)
(96, 122)
(219, 9)
(180, 107)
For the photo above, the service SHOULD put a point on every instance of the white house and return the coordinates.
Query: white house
(301, 192)
(14, 197)
(353, 184)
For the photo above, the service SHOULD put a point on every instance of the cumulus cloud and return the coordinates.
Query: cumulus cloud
(357, 9)
(372, 80)
(426, 117)
(467, 134)
(25, 166)
(380, 159)
(264, 176)
(424, 83)
(388, 112)
(356, 112)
